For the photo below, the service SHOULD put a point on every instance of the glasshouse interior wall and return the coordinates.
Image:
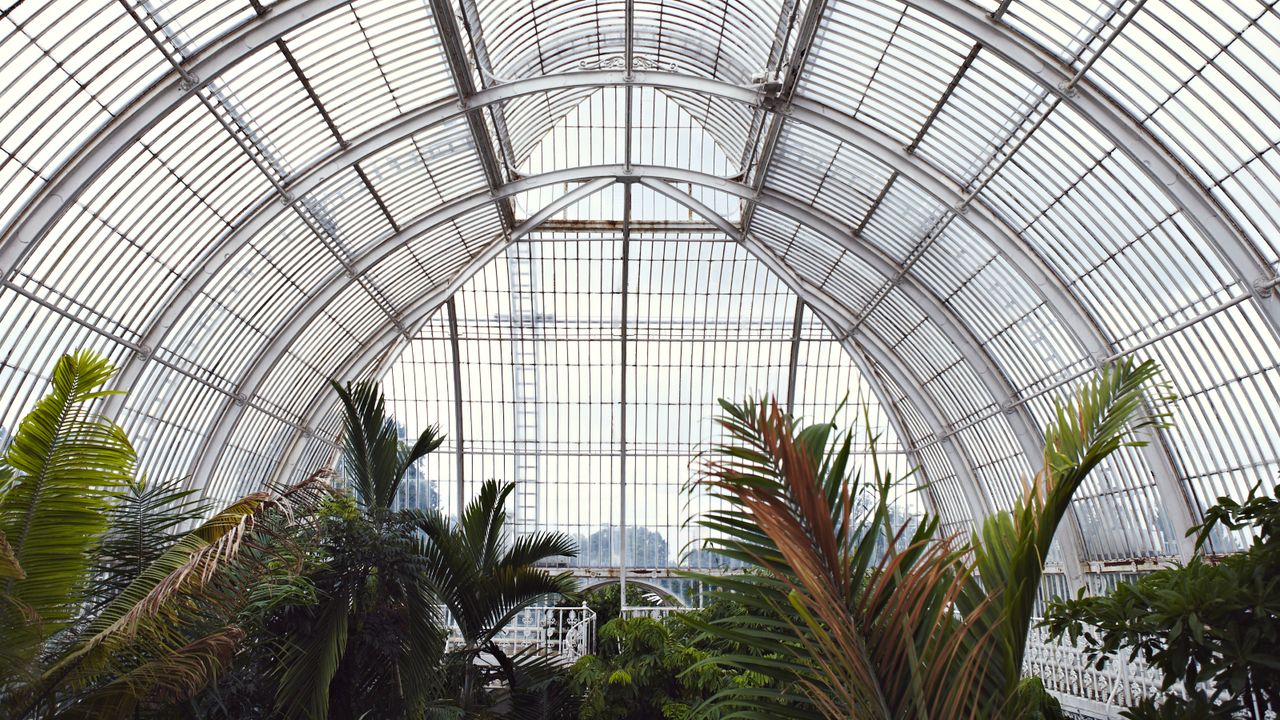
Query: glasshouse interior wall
(561, 231)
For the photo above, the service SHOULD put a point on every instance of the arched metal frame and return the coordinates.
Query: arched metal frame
(655, 178)
(1060, 300)
(1250, 267)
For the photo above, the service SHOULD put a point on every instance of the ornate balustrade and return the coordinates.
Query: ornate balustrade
(564, 632)
(1082, 688)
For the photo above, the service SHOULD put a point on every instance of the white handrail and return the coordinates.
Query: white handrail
(564, 632)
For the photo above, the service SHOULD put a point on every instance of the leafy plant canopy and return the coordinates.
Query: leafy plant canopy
(853, 617)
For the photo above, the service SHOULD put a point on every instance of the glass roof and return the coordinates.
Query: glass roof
(542, 337)
(974, 204)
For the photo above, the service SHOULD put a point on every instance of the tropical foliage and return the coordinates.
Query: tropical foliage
(1211, 626)
(299, 602)
(369, 636)
(96, 624)
(147, 517)
(60, 475)
(118, 598)
(854, 617)
(484, 580)
(654, 669)
(365, 633)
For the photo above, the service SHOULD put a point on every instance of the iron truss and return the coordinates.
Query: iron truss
(979, 203)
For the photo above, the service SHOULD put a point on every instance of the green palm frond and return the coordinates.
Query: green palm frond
(539, 547)
(508, 590)
(1105, 415)
(483, 580)
(484, 521)
(63, 466)
(421, 650)
(309, 663)
(372, 454)
(207, 576)
(147, 518)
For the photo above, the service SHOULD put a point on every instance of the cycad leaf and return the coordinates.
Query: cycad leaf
(64, 463)
(147, 519)
(207, 576)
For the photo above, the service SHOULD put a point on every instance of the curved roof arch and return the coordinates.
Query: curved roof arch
(980, 200)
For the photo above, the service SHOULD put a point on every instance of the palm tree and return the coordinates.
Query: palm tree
(917, 628)
(485, 580)
(372, 638)
(375, 460)
(102, 606)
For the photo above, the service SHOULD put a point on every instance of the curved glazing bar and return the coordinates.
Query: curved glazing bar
(1060, 183)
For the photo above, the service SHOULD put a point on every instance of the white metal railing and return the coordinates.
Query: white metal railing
(656, 612)
(569, 633)
(564, 632)
(1079, 685)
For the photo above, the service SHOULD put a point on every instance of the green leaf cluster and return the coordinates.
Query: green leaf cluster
(1211, 627)
(108, 606)
(120, 597)
(368, 633)
(657, 669)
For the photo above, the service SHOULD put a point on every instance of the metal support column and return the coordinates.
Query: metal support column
(622, 398)
(458, 438)
(794, 364)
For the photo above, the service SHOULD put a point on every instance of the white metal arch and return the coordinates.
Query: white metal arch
(284, 17)
(371, 361)
(652, 177)
(876, 143)
(1061, 302)
(289, 15)
(1025, 430)
(233, 408)
(1250, 267)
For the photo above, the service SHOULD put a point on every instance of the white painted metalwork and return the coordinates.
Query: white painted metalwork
(1082, 687)
(563, 633)
(980, 201)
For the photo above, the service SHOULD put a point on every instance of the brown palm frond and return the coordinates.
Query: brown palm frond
(9, 567)
(194, 561)
(887, 638)
(206, 574)
(173, 678)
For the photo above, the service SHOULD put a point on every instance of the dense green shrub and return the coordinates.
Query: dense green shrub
(651, 669)
(1211, 627)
